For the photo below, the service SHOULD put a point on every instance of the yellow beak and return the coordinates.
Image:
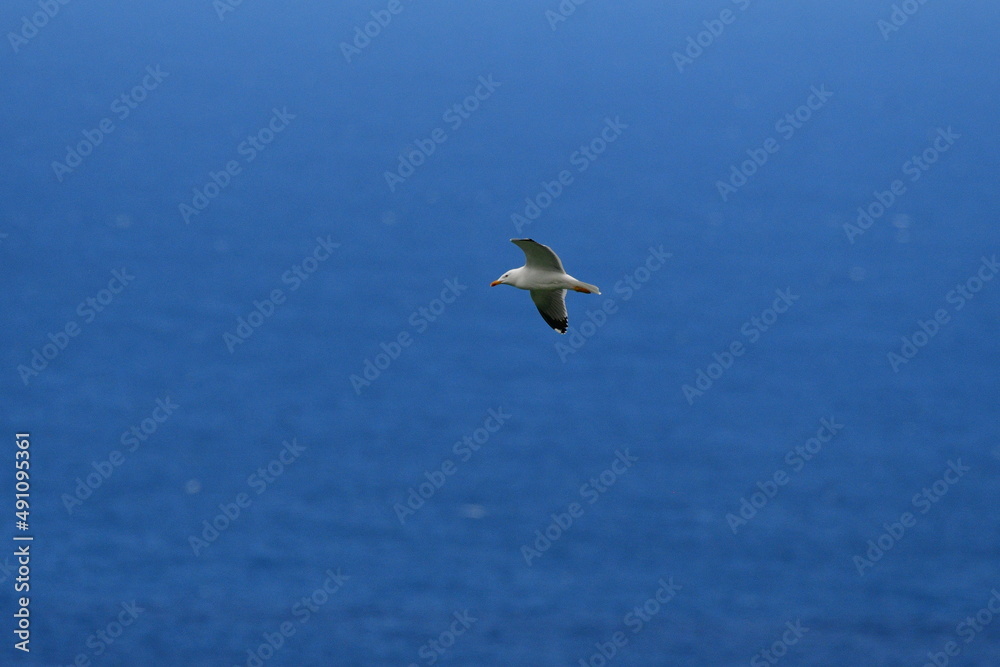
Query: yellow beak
(495, 283)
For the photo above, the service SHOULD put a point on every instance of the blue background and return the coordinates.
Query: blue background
(656, 185)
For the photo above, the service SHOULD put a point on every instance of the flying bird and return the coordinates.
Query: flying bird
(544, 276)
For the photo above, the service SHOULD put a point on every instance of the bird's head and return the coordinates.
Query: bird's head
(501, 280)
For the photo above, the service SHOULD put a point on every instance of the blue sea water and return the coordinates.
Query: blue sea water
(277, 415)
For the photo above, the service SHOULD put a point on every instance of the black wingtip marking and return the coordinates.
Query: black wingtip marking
(558, 325)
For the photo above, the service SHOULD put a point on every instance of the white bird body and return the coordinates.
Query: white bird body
(544, 276)
(530, 278)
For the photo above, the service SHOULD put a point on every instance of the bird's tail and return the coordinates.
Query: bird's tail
(586, 288)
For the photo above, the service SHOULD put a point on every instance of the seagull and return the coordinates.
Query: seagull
(544, 276)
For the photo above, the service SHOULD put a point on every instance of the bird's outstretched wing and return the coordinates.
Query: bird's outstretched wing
(551, 304)
(539, 256)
